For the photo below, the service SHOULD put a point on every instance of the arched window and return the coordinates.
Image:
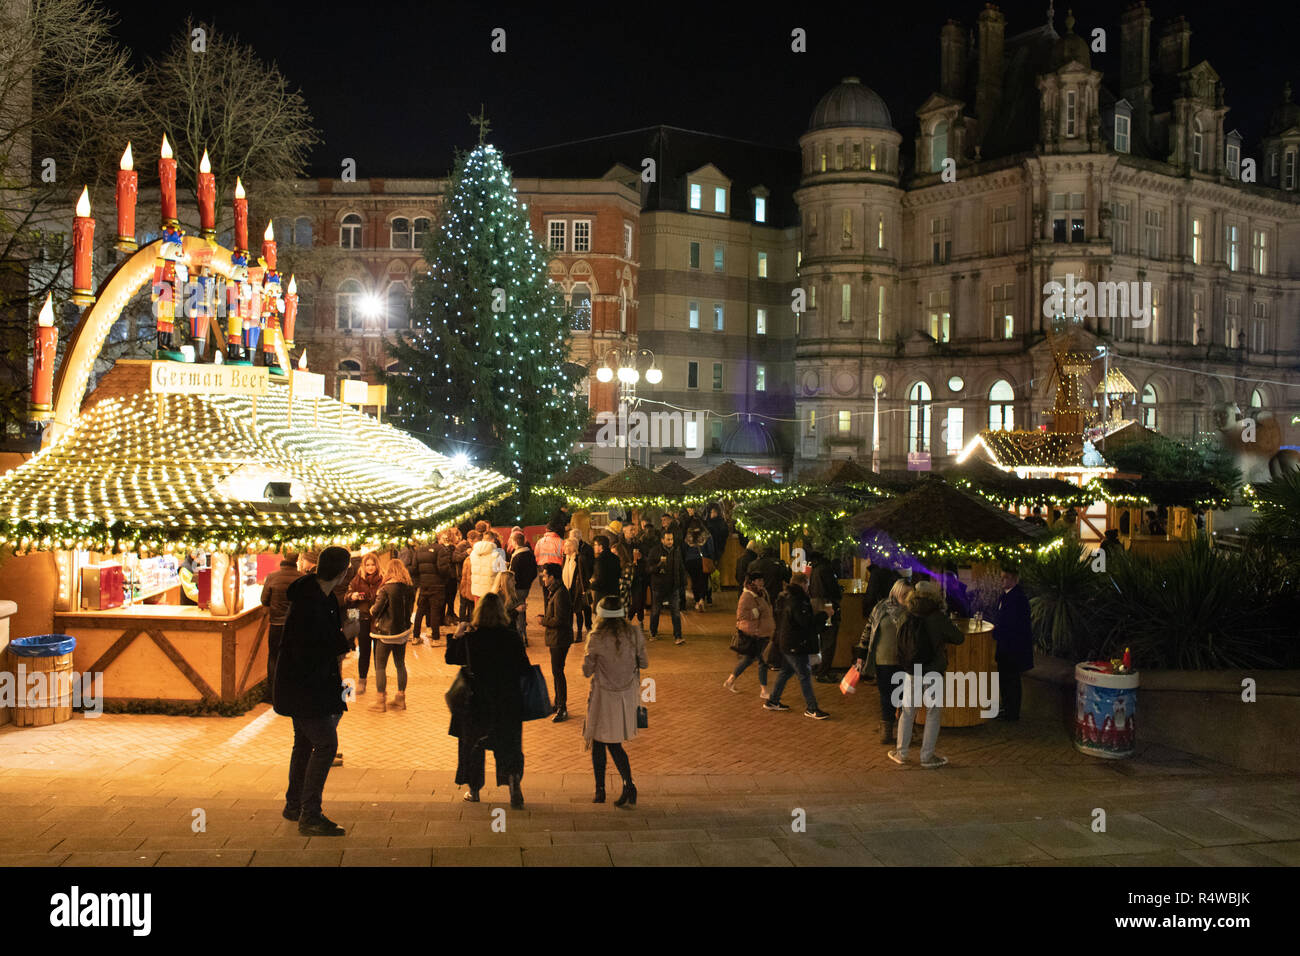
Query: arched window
(347, 304)
(580, 303)
(1148, 413)
(419, 229)
(938, 146)
(302, 231)
(400, 233)
(1198, 144)
(1001, 411)
(350, 231)
(399, 306)
(918, 429)
(349, 368)
(1256, 399)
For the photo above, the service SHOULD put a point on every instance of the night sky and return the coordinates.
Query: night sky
(390, 83)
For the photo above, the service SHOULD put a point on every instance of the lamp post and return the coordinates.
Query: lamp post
(625, 370)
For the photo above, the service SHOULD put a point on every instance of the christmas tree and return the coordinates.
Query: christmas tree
(486, 353)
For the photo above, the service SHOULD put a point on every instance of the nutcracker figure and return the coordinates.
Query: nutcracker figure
(237, 295)
(272, 307)
(200, 309)
(169, 277)
(253, 314)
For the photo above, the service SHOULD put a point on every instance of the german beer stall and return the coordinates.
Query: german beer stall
(160, 500)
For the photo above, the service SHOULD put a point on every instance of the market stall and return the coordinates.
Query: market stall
(728, 484)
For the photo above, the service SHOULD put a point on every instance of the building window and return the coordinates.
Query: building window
(880, 232)
(940, 239)
(1003, 321)
(1001, 411)
(938, 146)
(845, 421)
(1071, 113)
(715, 436)
(1234, 161)
(582, 235)
(717, 317)
(1232, 321)
(1153, 225)
(1067, 219)
(695, 255)
(1119, 219)
(955, 427)
(918, 417)
(1148, 406)
(760, 209)
(692, 374)
(347, 304)
(762, 265)
(1003, 219)
(697, 196)
(1256, 399)
(692, 433)
(719, 199)
(627, 240)
(1121, 134)
(349, 369)
(399, 236)
(857, 156)
(1288, 170)
(846, 227)
(622, 310)
(812, 423)
(1196, 241)
(940, 318)
(1153, 330)
(302, 232)
(1259, 252)
(823, 160)
(760, 322)
(581, 298)
(1272, 164)
(694, 312)
(419, 230)
(1259, 328)
(1198, 319)
(760, 378)
(1198, 145)
(398, 306)
(717, 376)
(1232, 241)
(839, 155)
(717, 258)
(350, 231)
(812, 296)
(846, 302)
(557, 230)
(873, 156)
(880, 314)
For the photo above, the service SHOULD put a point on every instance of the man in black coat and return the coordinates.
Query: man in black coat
(1014, 633)
(586, 563)
(433, 572)
(880, 580)
(558, 621)
(825, 591)
(747, 558)
(775, 571)
(275, 597)
(523, 563)
(667, 578)
(605, 573)
(309, 688)
(797, 636)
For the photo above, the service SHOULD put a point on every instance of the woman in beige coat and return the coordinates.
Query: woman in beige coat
(615, 655)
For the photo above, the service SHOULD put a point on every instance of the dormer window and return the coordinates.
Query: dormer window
(1234, 161)
(938, 146)
(1122, 127)
(1071, 113)
(1288, 170)
(697, 196)
(760, 209)
(1198, 145)
(719, 199)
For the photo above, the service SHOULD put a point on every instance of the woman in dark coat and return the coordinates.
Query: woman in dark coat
(362, 591)
(490, 646)
(391, 626)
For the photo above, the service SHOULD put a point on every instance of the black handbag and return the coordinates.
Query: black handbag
(743, 644)
(537, 699)
(642, 713)
(460, 695)
(772, 656)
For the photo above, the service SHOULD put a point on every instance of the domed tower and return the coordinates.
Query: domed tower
(850, 208)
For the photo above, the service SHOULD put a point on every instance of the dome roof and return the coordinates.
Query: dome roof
(1286, 115)
(851, 104)
(1072, 47)
(751, 439)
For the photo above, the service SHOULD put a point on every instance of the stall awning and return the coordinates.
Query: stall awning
(144, 470)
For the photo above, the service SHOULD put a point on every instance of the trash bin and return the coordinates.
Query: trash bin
(42, 669)
(1105, 710)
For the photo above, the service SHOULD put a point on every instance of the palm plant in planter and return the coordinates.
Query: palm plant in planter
(1065, 596)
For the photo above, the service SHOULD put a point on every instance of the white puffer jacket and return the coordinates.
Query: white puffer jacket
(483, 567)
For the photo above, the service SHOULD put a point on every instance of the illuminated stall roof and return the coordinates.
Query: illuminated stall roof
(149, 470)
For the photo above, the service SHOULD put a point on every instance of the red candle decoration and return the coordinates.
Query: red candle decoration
(291, 311)
(47, 336)
(241, 218)
(207, 199)
(268, 246)
(127, 189)
(83, 236)
(167, 182)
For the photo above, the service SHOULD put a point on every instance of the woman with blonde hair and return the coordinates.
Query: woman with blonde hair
(491, 649)
(363, 590)
(390, 626)
(504, 588)
(615, 656)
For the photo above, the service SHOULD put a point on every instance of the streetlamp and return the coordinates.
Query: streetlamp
(624, 368)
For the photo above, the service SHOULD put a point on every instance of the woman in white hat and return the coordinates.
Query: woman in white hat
(615, 655)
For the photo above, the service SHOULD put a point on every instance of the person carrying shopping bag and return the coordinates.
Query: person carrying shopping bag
(390, 627)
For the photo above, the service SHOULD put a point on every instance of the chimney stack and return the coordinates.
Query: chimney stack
(988, 88)
(1175, 46)
(952, 60)
(1135, 66)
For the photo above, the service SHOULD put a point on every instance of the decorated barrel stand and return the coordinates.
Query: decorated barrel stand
(1105, 710)
(976, 655)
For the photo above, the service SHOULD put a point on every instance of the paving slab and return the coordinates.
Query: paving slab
(825, 851)
(206, 858)
(389, 856)
(1204, 827)
(478, 856)
(911, 848)
(595, 854)
(653, 854)
(753, 852)
(989, 844)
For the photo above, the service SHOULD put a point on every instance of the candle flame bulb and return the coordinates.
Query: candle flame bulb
(293, 287)
(269, 235)
(204, 165)
(127, 162)
(239, 188)
(166, 151)
(83, 204)
(302, 359)
(46, 318)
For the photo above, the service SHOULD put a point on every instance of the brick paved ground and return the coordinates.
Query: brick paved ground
(720, 780)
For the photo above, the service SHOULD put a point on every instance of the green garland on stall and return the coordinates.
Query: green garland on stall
(191, 708)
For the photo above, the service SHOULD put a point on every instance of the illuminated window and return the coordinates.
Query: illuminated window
(760, 209)
(717, 258)
(697, 195)
(880, 232)
(581, 299)
(350, 231)
(718, 318)
(582, 235)
(940, 317)
(760, 322)
(1259, 330)
(880, 314)
(347, 304)
(846, 302)
(760, 379)
(918, 417)
(1149, 406)
(845, 421)
(1259, 252)
(955, 427)
(1197, 238)
(557, 229)
(1003, 323)
(1071, 113)
(762, 265)
(1198, 144)
(1233, 242)
(1001, 411)
(719, 199)
(694, 312)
